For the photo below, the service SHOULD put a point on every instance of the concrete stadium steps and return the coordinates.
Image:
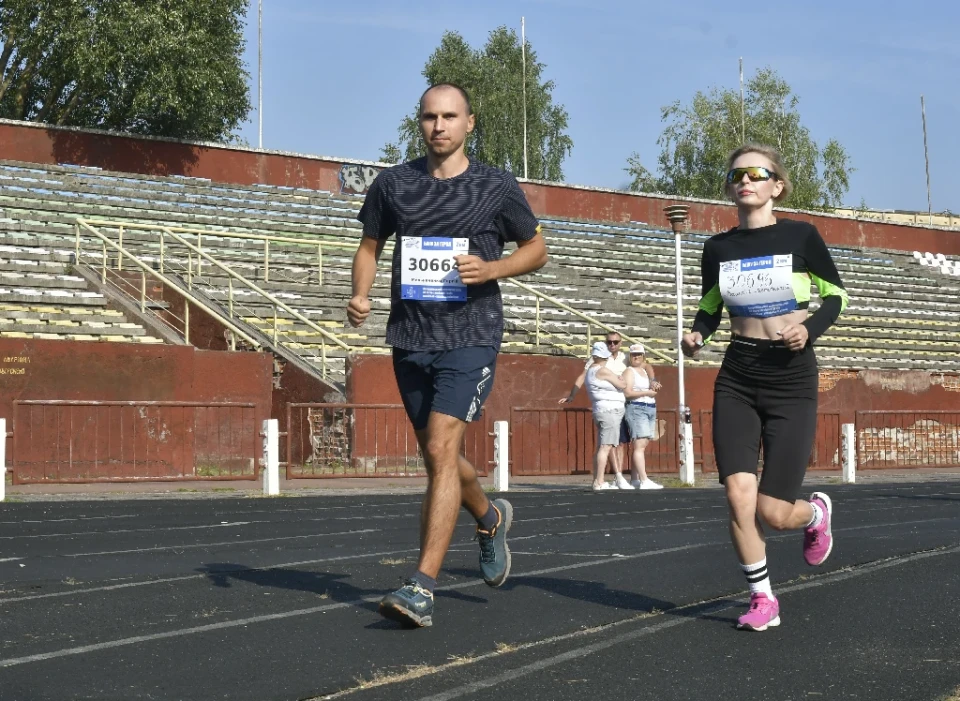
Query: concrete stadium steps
(621, 273)
(41, 298)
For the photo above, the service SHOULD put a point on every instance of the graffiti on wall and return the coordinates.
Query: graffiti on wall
(356, 179)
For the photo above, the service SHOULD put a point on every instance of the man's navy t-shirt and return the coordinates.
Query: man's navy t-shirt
(484, 205)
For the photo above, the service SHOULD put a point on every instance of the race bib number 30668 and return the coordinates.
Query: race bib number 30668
(427, 268)
(758, 287)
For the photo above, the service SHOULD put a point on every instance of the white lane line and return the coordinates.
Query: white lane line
(584, 651)
(63, 520)
(10, 662)
(132, 530)
(453, 548)
(194, 546)
(67, 652)
(11, 559)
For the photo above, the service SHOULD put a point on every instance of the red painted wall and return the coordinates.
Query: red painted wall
(51, 145)
(110, 372)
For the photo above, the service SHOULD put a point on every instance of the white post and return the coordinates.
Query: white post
(3, 459)
(501, 455)
(686, 428)
(271, 457)
(848, 453)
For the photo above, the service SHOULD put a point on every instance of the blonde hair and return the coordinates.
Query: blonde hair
(771, 154)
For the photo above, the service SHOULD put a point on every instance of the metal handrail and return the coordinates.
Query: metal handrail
(166, 282)
(586, 317)
(266, 239)
(256, 288)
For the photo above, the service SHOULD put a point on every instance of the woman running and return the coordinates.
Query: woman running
(641, 393)
(766, 390)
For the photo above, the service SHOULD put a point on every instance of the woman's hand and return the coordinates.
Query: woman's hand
(795, 336)
(692, 342)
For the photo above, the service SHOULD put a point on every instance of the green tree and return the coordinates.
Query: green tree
(158, 67)
(700, 136)
(493, 77)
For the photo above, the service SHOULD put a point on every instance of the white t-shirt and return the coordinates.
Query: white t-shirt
(616, 363)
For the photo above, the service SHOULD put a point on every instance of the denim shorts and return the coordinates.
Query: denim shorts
(642, 419)
(608, 423)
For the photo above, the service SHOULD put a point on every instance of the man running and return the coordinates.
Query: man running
(451, 217)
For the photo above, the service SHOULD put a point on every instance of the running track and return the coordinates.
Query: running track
(613, 596)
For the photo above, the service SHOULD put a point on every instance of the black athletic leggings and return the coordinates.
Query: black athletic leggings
(766, 394)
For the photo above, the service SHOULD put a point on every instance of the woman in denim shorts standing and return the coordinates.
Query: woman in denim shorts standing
(641, 395)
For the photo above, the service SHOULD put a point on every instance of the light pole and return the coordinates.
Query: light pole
(677, 214)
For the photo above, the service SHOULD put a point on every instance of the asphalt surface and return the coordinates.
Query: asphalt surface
(617, 595)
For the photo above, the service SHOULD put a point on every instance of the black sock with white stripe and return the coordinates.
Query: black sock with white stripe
(758, 578)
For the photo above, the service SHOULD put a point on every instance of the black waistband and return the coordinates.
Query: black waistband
(758, 344)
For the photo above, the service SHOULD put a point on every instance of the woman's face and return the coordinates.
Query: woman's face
(636, 359)
(749, 193)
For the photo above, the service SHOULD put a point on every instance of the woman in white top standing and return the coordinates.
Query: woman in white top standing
(641, 395)
(605, 389)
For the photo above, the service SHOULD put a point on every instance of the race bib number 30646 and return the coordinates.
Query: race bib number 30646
(427, 268)
(758, 287)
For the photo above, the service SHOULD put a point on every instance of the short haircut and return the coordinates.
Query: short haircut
(463, 94)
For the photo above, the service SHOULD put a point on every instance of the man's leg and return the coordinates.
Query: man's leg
(440, 443)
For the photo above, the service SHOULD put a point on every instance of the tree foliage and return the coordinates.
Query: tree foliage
(158, 67)
(493, 76)
(701, 135)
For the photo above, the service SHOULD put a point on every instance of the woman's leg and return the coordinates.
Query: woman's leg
(600, 464)
(638, 467)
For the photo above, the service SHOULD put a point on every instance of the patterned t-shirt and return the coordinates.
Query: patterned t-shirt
(474, 213)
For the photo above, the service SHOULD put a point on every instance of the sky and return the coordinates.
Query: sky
(339, 77)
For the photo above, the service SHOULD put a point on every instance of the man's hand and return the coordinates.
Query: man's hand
(358, 310)
(692, 342)
(794, 336)
(473, 270)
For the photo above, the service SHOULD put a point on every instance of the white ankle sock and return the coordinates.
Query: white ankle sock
(817, 515)
(758, 578)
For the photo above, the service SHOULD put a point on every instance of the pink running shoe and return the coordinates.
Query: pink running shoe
(763, 613)
(818, 541)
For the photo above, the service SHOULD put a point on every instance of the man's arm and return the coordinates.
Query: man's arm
(531, 254)
(577, 384)
(364, 273)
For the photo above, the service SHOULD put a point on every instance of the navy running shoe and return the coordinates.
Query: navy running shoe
(411, 605)
(494, 553)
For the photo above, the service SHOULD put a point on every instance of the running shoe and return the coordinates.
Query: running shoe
(411, 605)
(763, 613)
(494, 552)
(818, 540)
(604, 486)
(622, 483)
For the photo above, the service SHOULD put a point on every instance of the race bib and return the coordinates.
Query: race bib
(427, 272)
(758, 287)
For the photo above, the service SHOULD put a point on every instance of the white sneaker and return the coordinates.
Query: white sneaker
(650, 484)
(604, 486)
(623, 484)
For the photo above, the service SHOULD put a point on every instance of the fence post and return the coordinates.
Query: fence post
(3, 459)
(271, 457)
(848, 453)
(501, 455)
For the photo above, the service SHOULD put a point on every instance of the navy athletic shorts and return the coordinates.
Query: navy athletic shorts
(453, 382)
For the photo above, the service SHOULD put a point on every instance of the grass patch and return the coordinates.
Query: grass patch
(504, 648)
(71, 581)
(393, 561)
(223, 489)
(955, 696)
(673, 482)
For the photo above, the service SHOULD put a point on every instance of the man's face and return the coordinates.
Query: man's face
(444, 122)
(613, 343)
